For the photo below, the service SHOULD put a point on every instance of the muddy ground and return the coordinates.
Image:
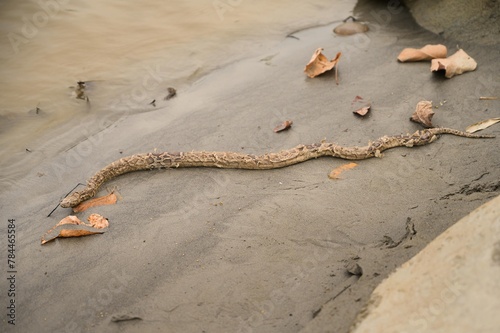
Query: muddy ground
(209, 250)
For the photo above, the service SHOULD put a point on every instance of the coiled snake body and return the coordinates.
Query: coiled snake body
(232, 160)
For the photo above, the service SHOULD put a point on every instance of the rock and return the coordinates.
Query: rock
(452, 285)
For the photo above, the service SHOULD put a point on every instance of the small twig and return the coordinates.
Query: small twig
(488, 98)
(350, 17)
(65, 197)
(336, 75)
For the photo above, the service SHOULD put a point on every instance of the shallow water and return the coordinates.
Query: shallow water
(129, 53)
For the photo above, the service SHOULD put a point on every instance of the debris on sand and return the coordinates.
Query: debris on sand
(423, 114)
(456, 64)
(171, 93)
(428, 52)
(71, 226)
(360, 106)
(320, 64)
(350, 28)
(482, 125)
(283, 126)
(335, 173)
(109, 199)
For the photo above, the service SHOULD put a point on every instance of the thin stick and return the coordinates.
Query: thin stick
(336, 76)
(65, 197)
(488, 98)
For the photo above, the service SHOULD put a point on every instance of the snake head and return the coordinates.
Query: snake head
(71, 200)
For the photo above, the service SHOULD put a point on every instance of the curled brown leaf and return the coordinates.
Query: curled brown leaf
(74, 233)
(97, 221)
(283, 126)
(423, 114)
(456, 64)
(360, 106)
(72, 226)
(427, 52)
(319, 64)
(362, 111)
(109, 199)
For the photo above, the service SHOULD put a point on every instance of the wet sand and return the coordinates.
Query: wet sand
(192, 250)
(127, 54)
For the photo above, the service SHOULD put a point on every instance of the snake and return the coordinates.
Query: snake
(234, 160)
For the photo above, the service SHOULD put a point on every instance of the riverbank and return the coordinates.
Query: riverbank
(192, 250)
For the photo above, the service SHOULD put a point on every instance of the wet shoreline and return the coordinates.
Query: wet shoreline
(128, 60)
(263, 251)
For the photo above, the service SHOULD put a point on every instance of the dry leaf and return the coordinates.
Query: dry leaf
(109, 199)
(81, 231)
(71, 226)
(97, 221)
(71, 219)
(335, 173)
(458, 63)
(363, 111)
(320, 64)
(350, 28)
(423, 114)
(283, 126)
(427, 52)
(361, 107)
(482, 125)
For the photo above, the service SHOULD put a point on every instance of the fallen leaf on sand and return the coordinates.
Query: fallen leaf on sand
(71, 226)
(109, 199)
(482, 125)
(97, 221)
(320, 64)
(427, 52)
(283, 126)
(423, 114)
(350, 28)
(335, 173)
(363, 111)
(360, 106)
(458, 63)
